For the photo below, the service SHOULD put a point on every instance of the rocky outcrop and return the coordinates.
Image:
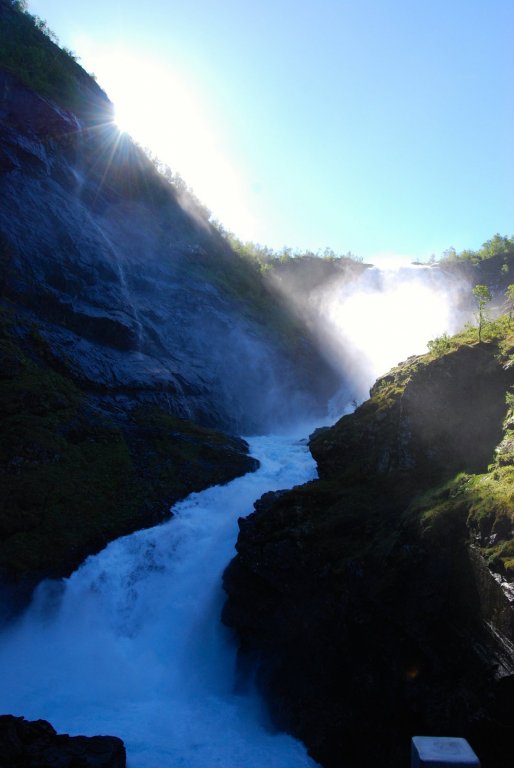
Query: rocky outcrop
(422, 423)
(359, 595)
(74, 475)
(36, 744)
(130, 285)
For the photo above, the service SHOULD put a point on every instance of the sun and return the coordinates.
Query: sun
(160, 110)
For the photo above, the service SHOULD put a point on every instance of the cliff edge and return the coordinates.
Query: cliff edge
(377, 600)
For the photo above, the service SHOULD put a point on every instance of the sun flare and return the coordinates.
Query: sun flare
(160, 109)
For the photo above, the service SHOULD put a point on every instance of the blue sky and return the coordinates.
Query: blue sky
(384, 128)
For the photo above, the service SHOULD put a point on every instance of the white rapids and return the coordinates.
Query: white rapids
(132, 645)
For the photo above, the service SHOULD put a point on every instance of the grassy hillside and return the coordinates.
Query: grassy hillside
(29, 50)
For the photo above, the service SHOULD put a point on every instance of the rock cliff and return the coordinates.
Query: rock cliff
(138, 295)
(130, 332)
(376, 601)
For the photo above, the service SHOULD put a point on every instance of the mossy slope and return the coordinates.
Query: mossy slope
(73, 476)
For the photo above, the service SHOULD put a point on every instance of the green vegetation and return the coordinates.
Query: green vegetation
(254, 279)
(440, 345)
(30, 50)
(370, 465)
(473, 508)
(481, 506)
(73, 478)
(378, 561)
(499, 331)
(477, 508)
(483, 296)
(243, 269)
(183, 192)
(65, 479)
(498, 245)
(260, 257)
(268, 258)
(510, 298)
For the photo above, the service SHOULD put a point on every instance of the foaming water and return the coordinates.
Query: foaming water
(367, 323)
(132, 645)
(375, 322)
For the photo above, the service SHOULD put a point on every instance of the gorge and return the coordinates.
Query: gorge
(148, 363)
(132, 644)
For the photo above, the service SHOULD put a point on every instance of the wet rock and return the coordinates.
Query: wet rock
(77, 470)
(422, 423)
(133, 339)
(36, 744)
(369, 613)
(130, 285)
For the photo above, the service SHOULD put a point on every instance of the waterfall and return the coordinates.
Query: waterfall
(371, 324)
(132, 645)
(130, 309)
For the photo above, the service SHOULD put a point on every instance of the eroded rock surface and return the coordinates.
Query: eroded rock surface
(131, 339)
(138, 294)
(359, 595)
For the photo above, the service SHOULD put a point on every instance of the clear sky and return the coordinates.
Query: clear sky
(384, 127)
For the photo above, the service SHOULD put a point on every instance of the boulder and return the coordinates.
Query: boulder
(36, 744)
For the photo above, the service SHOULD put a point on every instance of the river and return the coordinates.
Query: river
(132, 645)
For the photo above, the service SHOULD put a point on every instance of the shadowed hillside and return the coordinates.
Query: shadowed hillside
(130, 329)
(377, 600)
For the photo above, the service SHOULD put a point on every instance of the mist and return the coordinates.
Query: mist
(131, 644)
(366, 324)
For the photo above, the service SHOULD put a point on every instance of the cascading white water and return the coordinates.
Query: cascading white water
(378, 320)
(131, 644)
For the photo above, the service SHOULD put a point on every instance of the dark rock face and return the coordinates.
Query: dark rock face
(130, 333)
(136, 293)
(422, 424)
(75, 475)
(370, 616)
(25, 744)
